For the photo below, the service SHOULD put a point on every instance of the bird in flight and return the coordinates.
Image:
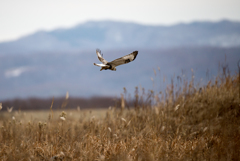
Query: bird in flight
(112, 65)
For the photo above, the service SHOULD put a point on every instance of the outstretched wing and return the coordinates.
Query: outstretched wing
(125, 59)
(98, 52)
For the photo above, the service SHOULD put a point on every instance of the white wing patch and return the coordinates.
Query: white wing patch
(101, 65)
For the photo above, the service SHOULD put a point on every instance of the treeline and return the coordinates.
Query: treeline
(60, 103)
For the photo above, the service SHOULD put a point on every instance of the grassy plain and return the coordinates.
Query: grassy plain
(181, 123)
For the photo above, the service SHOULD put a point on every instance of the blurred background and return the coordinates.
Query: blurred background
(47, 48)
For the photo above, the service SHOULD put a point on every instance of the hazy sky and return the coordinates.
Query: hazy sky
(21, 17)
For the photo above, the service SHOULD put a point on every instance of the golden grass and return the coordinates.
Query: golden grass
(179, 124)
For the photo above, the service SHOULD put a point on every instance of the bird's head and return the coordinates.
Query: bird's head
(114, 69)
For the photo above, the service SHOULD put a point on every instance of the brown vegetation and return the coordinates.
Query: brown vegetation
(178, 124)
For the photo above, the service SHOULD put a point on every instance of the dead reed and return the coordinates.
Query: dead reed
(181, 123)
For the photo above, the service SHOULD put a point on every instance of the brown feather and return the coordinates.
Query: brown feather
(125, 59)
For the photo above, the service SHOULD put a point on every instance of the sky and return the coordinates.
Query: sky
(23, 17)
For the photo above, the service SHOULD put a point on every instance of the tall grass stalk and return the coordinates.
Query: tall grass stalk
(181, 123)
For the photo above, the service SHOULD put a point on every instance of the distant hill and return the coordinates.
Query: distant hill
(124, 35)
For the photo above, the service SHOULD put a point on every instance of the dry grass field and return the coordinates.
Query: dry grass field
(181, 123)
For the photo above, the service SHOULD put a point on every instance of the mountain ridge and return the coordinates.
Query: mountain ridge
(119, 35)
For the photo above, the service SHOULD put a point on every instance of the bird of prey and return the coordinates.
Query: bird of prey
(112, 65)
